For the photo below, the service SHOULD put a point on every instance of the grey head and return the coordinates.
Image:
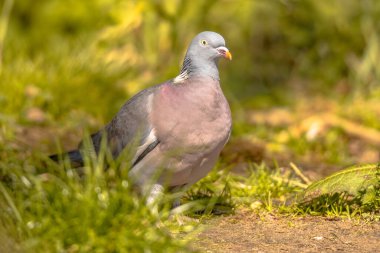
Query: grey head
(203, 55)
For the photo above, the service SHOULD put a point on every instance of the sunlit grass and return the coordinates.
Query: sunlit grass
(45, 202)
(280, 191)
(60, 211)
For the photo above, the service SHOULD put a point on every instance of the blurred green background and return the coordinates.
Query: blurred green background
(69, 65)
(303, 87)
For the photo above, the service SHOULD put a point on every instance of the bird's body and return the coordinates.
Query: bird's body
(178, 127)
(192, 121)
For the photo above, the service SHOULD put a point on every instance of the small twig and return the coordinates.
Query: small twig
(337, 237)
(300, 174)
(369, 134)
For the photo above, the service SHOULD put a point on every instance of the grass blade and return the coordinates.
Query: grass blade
(350, 180)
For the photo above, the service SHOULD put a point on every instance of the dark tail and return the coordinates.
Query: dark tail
(75, 157)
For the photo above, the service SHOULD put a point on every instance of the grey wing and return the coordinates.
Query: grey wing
(131, 127)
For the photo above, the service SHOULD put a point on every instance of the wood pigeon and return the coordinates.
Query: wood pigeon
(178, 127)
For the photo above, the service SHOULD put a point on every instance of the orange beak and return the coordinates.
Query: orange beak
(223, 51)
(228, 55)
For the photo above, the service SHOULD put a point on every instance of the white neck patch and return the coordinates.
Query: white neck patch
(181, 77)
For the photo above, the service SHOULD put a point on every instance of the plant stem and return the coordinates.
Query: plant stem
(4, 19)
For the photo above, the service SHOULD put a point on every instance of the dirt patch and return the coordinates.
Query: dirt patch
(248, 232)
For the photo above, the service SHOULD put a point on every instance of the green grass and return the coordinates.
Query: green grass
(280, 191)
(353, 193)
(60, 211)
(42, 202)
(75, 63)
(50, 208)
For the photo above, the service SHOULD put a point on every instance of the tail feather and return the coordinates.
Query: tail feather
(75, 157)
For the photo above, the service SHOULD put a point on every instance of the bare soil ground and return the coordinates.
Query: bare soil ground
(249, 232)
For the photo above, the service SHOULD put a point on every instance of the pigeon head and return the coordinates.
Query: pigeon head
(209, 46)
(203, 55)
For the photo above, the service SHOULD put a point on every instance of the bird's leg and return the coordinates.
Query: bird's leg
(176, 203)
(176, 214)
(178, 191)
(156, 192)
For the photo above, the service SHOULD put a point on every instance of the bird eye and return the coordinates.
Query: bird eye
(203, 42)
